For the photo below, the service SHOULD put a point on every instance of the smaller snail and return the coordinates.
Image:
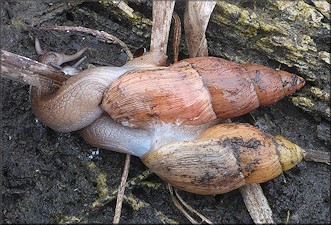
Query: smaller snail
(225, 157)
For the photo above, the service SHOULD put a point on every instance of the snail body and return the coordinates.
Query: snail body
(107, 134)
(76, 103)
(224, 157)
(141, 93)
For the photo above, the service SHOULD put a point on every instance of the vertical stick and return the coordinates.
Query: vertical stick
(196, 18)
(177, 35)
(256, 204)
(162, 13)
(121, 190)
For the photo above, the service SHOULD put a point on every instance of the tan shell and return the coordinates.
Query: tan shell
(259, 159)
(225, 157)
(202, 167)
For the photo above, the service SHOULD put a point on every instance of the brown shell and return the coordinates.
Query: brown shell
(195, 91)
(223, 159)
(237, 89)
(142, 97)
(230, 87)
(272, 85)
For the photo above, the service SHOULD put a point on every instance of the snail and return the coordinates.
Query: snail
(191, 92)
(224, 157)
(195, 91)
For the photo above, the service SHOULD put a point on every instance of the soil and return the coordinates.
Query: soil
(50, 177)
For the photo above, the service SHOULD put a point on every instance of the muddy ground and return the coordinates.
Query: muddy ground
(50, 177)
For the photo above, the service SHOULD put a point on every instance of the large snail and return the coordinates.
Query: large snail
(195, 91)
(156, 113)
(192, 92)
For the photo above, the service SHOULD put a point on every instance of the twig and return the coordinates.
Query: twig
(179, 203)
(177, 27)
(316, 156)
(204, 219)
(256, 204)
(287, 217)
(162, 12)
(180, 207)
(196, 19)
(124, 7)
(99, 34)
(121, 190)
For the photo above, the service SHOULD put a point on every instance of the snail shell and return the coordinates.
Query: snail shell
(195, 91)
(224, 158)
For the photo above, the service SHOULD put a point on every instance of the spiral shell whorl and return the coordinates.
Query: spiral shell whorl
(289, 153)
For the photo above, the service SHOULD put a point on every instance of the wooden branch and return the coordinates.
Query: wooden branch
(22, 69)
(162, 13)
(256, 204)
(121, 190)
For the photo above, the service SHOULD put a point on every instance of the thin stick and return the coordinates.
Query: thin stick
(204, 219)
(99, 34)
(256, 203)
(179, 203)
(316, 156)
(179, 206)
(177, 28)
(162, 13)
(196, 18)
(121, 190)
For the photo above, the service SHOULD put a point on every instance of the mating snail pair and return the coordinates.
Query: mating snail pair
(165, 116)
